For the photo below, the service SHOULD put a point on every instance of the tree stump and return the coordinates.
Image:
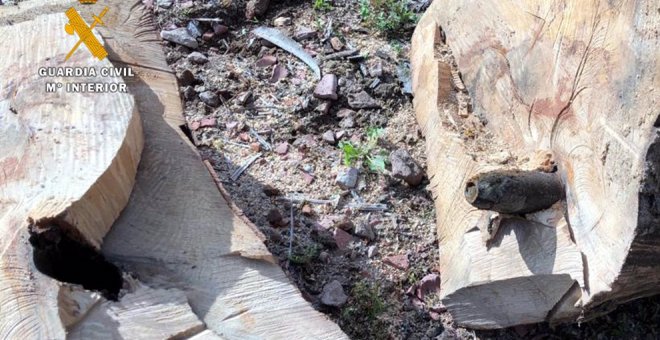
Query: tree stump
(570, 85)
(68, 163)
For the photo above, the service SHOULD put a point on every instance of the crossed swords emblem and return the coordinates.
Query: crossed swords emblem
(78, 26)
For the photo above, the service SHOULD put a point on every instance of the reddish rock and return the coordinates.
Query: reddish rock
(282, 149)
(194, 126)
(208, 36)
(345, 225)
(327, 87)
(307, 209)
(220, 29)
(328, 222)
(208, 123)
(256, 147)
(343, 113)
(245, 137)
(405, 167)
(304, 33)
(429, 283)
(267, 60)
(279, 72)
(308, 178)
(397, 261)
(336, 44)
(305, 142)
(342, 238)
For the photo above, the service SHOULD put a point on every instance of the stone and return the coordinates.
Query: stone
(275, 218)
(305, 142)
(194, 126)
(365, 231)
(180, 36)
(372, 251)
(362, 100)
(186, 78)
(208, 123)
(267, 60)
(342, 238)
(307, 177)
(270, 190)
(333, 294)
(428, 284)
(327, 87)
(243, 98)
(256, 8)
(189, 93)
(282, 149)
(343, 113)
(194, 29)
(208, 36)
(376, 68)
(256, 147)
(198, 58)
(336, 44)
(347, 178)
(279, 72)
(397, 261)
(220, 29)
(329, 137)
(344, 224)
(307, 210)
(304, 33)
(405, 167)
(347, 123)
(282, 21)
(165, 3)
(403, 73)
(209, 98)
(324, 107)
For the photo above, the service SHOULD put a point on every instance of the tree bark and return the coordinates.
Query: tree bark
(575, 79)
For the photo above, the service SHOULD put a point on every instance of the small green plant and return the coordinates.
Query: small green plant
(322, 5)
(388, 16)
(305, 254)
(361, 317)
(374, 157)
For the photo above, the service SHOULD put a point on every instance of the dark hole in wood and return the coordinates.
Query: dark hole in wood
(187, 132)
(471, 191)
(62, 258)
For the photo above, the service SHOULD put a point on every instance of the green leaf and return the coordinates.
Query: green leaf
(376, 163)
(351, 153)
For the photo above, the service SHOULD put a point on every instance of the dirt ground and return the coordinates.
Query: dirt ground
(251, 106)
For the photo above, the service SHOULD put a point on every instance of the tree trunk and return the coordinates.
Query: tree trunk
(575, 83)
(187, 264)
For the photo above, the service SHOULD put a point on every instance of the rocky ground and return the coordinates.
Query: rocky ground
(331, 170)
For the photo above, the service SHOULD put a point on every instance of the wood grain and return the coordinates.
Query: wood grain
(579, 79)
(67, 157)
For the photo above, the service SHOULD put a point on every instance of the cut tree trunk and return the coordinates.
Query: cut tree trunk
(188, 265)
(571, 82)
(68, 163)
